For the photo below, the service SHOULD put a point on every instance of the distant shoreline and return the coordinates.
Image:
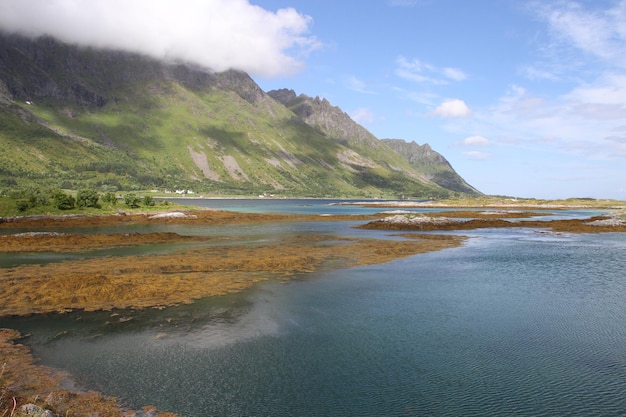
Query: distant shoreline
(503, 204)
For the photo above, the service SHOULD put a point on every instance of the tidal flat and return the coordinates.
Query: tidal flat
(207, 266)
(196, 267)
(219, 266)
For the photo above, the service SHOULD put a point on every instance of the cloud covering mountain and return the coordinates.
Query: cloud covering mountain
(215, 34)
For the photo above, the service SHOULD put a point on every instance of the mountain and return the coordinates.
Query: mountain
(431, 164)
(73, 117)
(327, 119)
(336, 124)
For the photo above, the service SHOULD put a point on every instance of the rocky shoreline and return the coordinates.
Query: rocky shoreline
(613, 222)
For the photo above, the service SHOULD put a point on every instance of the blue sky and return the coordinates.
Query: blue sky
(524, 98)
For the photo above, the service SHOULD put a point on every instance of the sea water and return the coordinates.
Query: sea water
(515, 322)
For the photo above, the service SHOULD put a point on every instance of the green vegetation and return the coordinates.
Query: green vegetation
(148, 201)
(63, 201)
(121, 123)
(87, 198)
(178, 152)
(36, 201)
(131, 200)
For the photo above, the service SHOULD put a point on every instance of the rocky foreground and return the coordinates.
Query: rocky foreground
(29, 389)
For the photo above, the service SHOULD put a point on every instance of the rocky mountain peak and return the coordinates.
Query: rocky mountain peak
(415, 153)
(283, 95)
(432, 163)
(241, 83)
(330, 120)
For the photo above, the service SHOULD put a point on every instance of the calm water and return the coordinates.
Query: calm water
(516, 322)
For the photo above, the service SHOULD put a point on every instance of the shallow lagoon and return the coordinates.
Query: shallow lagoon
(516, 322)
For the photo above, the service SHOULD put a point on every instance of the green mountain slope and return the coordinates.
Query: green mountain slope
(74, 117)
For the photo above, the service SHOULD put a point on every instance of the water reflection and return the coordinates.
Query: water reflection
(179, 320)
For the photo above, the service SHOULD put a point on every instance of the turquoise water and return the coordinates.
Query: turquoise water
(515, 323)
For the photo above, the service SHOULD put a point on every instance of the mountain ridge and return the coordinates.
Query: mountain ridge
(76, 117)
(434, 165)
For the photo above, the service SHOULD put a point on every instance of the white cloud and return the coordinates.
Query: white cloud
(421, 72)
(619, 144)
(598, 32)
(517, 101)
(601, 33)
(358, 85)
(422, 97)
(535, 73)
(477, 155)
(452, 108)
(218, 34)
(476, 141)
(363, 116)
(610, 88)
(586, 122)
(414, 70)
(454, 74)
